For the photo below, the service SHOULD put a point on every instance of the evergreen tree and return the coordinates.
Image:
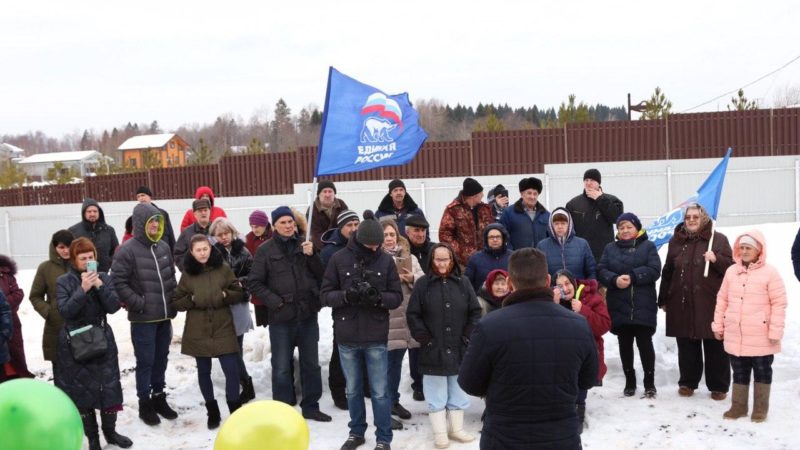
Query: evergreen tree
(255, 147)
(658, 107)
(316, 118)
(151, 159)
(203, 154)
(572, 113)
(12, 176)
(154, 128)
(741, 103)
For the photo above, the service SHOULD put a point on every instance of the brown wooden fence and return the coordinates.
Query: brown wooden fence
(762, 132)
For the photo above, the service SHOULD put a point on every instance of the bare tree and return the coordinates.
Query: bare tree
(788, 95)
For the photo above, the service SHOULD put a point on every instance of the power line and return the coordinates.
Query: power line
(746, 85)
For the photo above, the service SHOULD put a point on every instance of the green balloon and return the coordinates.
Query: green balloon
(35, 415)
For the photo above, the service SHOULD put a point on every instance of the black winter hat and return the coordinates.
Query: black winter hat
(500, 190)
(370, 232)
(530, 183)
(592, 174)
(415, 220)
(144, 190)
(630, 217)
(396, 183)
(471, 187)
(344, 217)
(62, 237)
(325, 184)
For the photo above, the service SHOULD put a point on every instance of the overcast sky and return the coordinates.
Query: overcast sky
(93, 64)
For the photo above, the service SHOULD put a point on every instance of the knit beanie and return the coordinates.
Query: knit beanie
(500, 190)
(530, 183)
(281, 211)
(370, 232)
(592, 174)
(62, 237)
(471, 187)
(324, 184)
(259, 218)
(396, 183)
(630, 217)
(344, 217)
(144, 190)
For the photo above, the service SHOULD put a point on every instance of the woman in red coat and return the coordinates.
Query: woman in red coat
(583, 297)
(17, 366)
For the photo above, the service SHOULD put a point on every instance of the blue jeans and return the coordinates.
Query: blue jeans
(444, 392)
(377, 360)
(395, 369)
(151, 347)
(284, 337)
(230, 368)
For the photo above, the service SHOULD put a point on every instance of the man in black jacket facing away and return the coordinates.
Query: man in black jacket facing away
(361, 284)
(530, 401)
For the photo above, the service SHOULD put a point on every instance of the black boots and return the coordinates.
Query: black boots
(212, 409)
(147, 413)
(233, 406)
(649, 385)
(630, 383)
(90, 429)
(248, 391)
(159, 401)
(109, 426)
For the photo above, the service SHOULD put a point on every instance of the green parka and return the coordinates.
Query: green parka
(43, 298)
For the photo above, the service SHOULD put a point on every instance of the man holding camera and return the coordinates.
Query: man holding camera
(361, 284)
(285, 277)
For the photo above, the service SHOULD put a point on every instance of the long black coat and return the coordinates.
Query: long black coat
(690, 298)
(361, 324)
(636, 304)
(286, 280)
(91, 384)
(441, 314)
(529, 359)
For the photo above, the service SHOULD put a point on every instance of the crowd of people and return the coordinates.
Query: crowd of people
(512, 305)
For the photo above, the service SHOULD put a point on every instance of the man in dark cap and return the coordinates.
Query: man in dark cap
(464, 220)
(361, 284)
(498, 200)
(594, 213)
(202, 221)
(145, 195)
(527, 221)
(326, 209)
(398, 205)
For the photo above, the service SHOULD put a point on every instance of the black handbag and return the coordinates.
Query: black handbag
(87, 343)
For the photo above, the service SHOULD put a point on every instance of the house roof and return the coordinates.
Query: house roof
(61, 156)
(146, 141)
(12, 148)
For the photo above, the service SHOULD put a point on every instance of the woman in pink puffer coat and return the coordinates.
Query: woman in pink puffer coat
(749, 318)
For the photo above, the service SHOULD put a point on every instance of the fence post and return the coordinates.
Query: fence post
(666, 134)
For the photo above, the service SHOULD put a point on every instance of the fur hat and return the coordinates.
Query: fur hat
(281, 211)
(530, 183)
(630, 217)
(325, 184)
(592, 174)
(471, 187)
(200, 204)
(396, 183)
(259, 218)
(370, 232)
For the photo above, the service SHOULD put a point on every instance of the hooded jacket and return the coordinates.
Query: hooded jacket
(458, 230)
(206, 292)
(14, 296)
(43, 298)
(216, 211)
(637, 303)
(525, 232)
(144, 275)
(486, 298)
(487, 260)
(688, 297)
(441, 314)
(332, 241)
(100, 233)
(751, 305)
(595, 311)
(386, 208)
(570, 252)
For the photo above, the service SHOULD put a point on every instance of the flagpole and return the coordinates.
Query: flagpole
(311, 208)
(710, 244)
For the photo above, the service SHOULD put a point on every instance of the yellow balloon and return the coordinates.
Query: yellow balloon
(263, 425)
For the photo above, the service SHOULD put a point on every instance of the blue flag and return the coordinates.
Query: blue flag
(363, 128)
(708, 196)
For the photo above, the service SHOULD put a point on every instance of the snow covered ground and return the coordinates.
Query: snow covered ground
(613, 421)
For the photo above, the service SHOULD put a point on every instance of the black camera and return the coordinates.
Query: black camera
(367, 294)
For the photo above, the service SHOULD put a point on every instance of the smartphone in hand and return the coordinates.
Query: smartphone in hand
(91, 266)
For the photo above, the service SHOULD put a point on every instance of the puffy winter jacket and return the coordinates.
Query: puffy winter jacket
(751, 305)
(457, 228)
(595, 219)
(100, 233)
(361, 324)
(529, 359)
(525, 232)
(93, 384)
(572, 253)
(487, 260)
(216, 211)
(596, 313)
(286, 280)
(399, 334)
(206, 292)
(14, 296)
(688, 296)
(43, 298)
(637, 303)
(144, 275)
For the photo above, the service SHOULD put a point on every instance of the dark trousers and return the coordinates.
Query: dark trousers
(644, 342)
(395, 370)
(416, 376)
(230, 367)
(243, 375)
(760, 366)
(336, 381)
(692, 352)
(284, 338)
(151, 347)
